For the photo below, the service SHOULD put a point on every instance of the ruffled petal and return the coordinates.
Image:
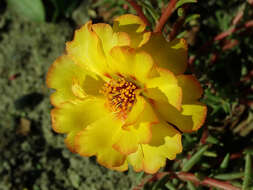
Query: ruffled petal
(59, 77)
(127, 140)
(134, 27)
(131, 21)
(71, 81)
(122, 167)
(70, 141)
(141, 112)
(86, 49)
(76, 115)
(170, 55)
(92, 85)
(190, 118)
(192, 89)
(165, 143)
(137, 110)
(165, 88)
(131, 63)
(97, 139)
(109, 38)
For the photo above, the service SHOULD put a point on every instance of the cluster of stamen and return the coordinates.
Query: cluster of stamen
(120, 95)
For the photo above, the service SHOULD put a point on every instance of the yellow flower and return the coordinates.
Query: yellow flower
(121, 95)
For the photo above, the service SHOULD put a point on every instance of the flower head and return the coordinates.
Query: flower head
(121, 95)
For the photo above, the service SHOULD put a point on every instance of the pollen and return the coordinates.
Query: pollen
(121, 95)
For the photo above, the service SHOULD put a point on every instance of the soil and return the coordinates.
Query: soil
(32, 156)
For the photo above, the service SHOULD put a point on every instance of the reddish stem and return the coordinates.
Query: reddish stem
(176, 27)
(204, 136)
(229, 44)
(235, 156)
(166, 14)
(138, 10)
(221, 36)
(178, 24)
(249, 24)
(206, 182)
(209, 182)
(238, 17)
(250, 2)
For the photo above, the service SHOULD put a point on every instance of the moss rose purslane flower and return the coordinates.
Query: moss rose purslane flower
(121, 95)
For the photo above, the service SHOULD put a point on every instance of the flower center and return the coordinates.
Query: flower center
(120, 95)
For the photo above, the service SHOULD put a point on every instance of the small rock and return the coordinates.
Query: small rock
(24, 127)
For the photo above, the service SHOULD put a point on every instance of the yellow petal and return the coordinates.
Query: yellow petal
(122, 167)
(71, 81)
(92, 85)
(190, 118)
(143, 66)
(109, 38)
(127, 140)
(165, 88)
(141, 112)
(129, 20)
(165, 143)
(134, 27)
(76, 115)
(136, 159)
(131, 63)
(136, 111)
(86, 49)
(170, 55)
(77, 89)
(192, 89)
(70, 141)
(97, 139)
(60, 77)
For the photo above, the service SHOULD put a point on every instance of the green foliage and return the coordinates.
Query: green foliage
(33, 10)
(182, 2)
(229, 176)
(247, 173)
(218, 104)
(63, 7)
(194, 159)
(225, 162)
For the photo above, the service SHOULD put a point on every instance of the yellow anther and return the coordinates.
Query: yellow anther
(120, 95)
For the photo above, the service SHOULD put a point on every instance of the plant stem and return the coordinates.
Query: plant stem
(166, 14)
(206, 182)
(184, 176)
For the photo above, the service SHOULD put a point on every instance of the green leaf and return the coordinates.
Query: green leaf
(225, 162)
(212, 140)
(180, 12)
(182, 2)
(210, 154)
(31, 9)
(191, 18)
(150, 9)
(247, 173)
(170, 186)
(229, 176)
(191, 186)
(248, 150)
(194, 159)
